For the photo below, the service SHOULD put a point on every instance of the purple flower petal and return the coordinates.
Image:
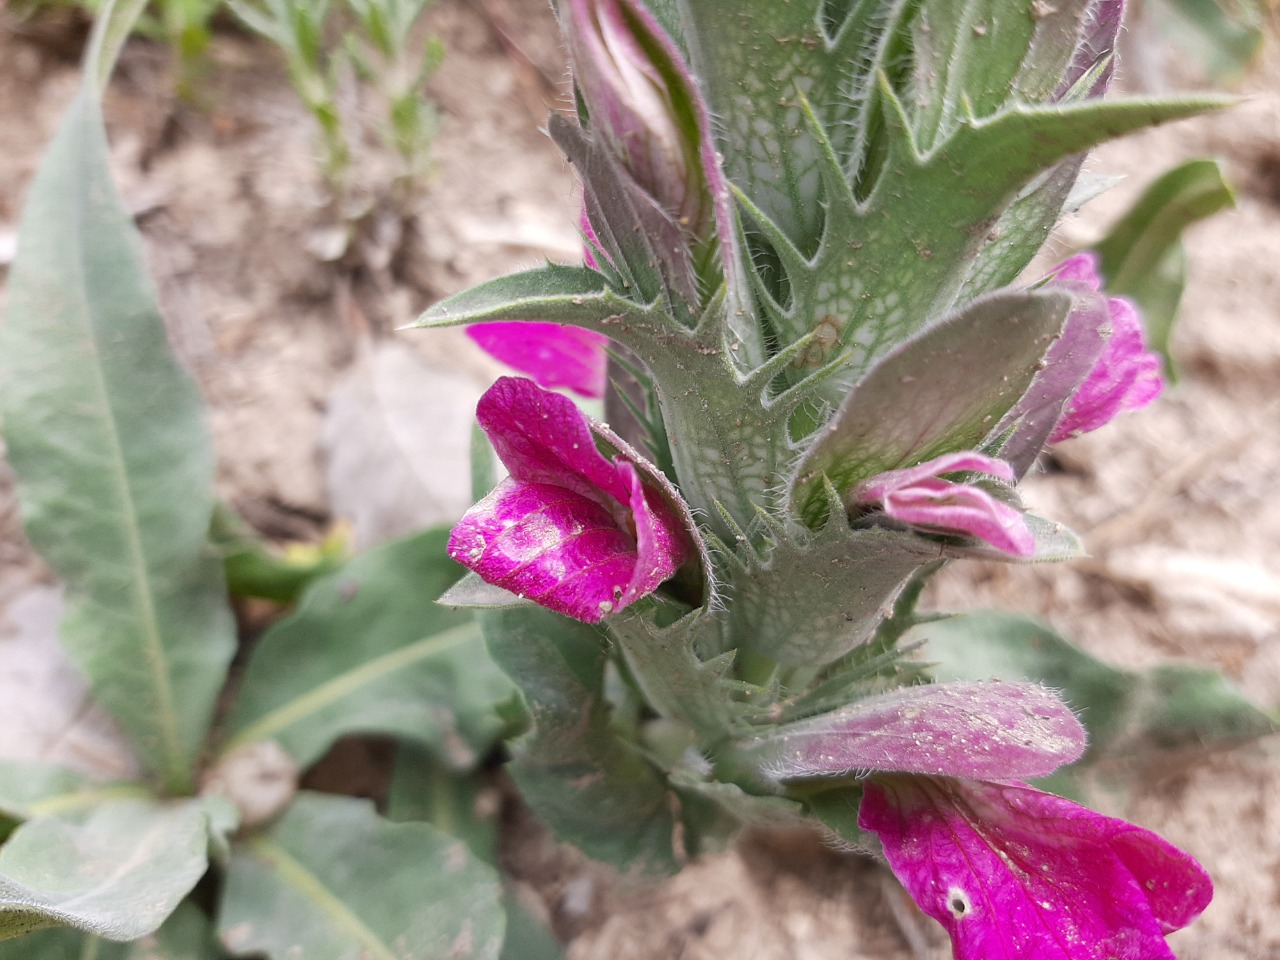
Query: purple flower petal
(548, 544)
(966, 461)
(1081, 268)
(555, 355)
(918, 497)
(1127, 377)
(542, 437)
(569, 529)
(1104, 339)
(1068, 363)
(963, 729)
(1013, 873)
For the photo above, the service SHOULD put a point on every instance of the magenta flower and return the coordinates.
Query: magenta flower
(569, 529)
(1013, 873)
(919, 497)
(553, 354)
(1126, 376)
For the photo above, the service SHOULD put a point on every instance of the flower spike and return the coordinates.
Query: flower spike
(569, 529)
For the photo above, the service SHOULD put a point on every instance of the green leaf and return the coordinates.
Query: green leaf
(113, 457)
(550, 294)
(968, 57)
(888, 267)
(186, 935)
(1127, 713)
(369, 650)
(424, 790)
(941, 392)
(29, 790)
(1142, 257)
(838, 811)
(460, 806)
(118, 873)
(472, 591)
(333, 881)
(641, 240)
(756, 63)
(814, 598)
(592, 787)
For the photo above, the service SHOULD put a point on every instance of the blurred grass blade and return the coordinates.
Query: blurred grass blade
(370, 650)
(1224, 36)
(113, 22)
(118, 873)
(186, 935)
(113, 457)
(1142, 256)
(333, 881)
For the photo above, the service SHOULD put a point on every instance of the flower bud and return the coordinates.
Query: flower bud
(642, 100)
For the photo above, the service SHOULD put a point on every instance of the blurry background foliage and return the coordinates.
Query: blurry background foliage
(324, 45)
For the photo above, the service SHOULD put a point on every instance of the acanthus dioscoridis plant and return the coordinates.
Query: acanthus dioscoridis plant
(805, 302)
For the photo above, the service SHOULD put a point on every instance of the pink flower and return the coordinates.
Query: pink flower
(919, 497)
(569, 529)
(553, 354)
(1126, 376)
(1013, 873)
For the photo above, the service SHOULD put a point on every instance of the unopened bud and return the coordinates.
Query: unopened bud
(642, 100)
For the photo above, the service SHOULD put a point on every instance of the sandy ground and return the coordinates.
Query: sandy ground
(297, 358)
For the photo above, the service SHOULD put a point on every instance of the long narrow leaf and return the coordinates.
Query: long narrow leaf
(114, 463)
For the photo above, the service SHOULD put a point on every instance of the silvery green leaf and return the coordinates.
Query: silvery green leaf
(1127, 713)
(30, 790)
(117, 872)
(113, 456)
(370, 650)
(186, 935)
(331, 880)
